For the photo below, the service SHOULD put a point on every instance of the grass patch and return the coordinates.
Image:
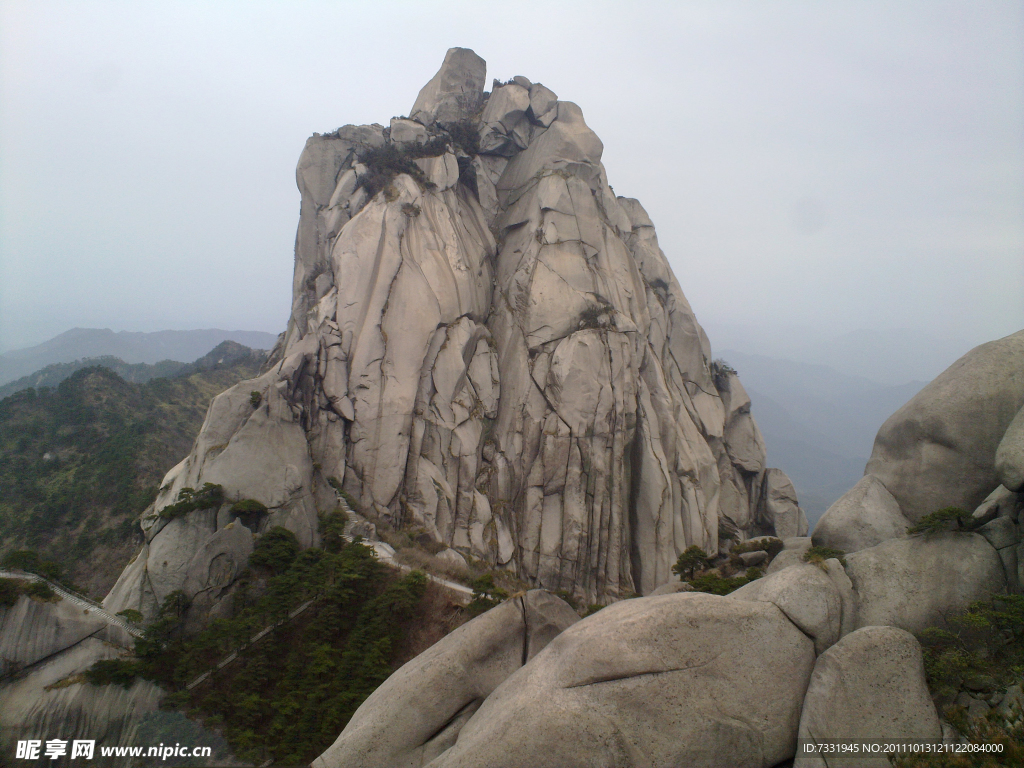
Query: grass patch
(818, 555)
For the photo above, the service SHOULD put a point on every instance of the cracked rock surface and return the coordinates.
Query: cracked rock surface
(487, 344)
(671, 680)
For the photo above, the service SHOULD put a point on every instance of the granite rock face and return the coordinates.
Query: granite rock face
(419, 711)
(487, 344)
(671, 680)
(871, 684)
(865, 515)
(939, 450)
(914, 583)
(46, 647)
(951, 445)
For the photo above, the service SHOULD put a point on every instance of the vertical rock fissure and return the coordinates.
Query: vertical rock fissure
(526, 629)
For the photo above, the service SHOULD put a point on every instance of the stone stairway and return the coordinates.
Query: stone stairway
(83, 602)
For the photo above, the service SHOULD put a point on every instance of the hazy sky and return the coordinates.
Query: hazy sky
(817, 165)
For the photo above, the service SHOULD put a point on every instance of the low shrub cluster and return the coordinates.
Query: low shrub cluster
(694, 567)
(384, 163)
(945, 519)
(486, 595)
(980, 649)
(818, 555)
(10, 591)
(289, 695)
(210, 496)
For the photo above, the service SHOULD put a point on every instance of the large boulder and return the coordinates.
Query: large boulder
(869, 685)
(808, 597)
(864, 516)
(780, 507)
(1010, 455)
(455, 92)
(417, 713)
(939, 449)
(675, 680)
(914, 583)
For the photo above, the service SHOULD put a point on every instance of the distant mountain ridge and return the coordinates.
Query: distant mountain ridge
(225, 353)
(80, 460)
(129, 346)
(819, 424)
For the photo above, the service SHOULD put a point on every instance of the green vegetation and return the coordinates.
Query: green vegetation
(288, 695)
(594, 316)
(255, 398)
(692, 560)
(112, 672)
(715, 584)
(30, 561)
(818, 555)
(10, 591)
(986, 643)
(1010, 736)
(276, 550)
(720, 373)
(464, 135)
(248, 507)
(980, 649)
(130, 614)
(210, 496)
(384, 163)
(485, 595)
(80, 462)
(40, 590)
(53, 375)
(945, 519)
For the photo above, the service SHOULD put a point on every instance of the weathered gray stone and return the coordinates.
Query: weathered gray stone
(542, 103)
(1002, 502)
(1010, 455)
(847, 596)
(219, 560)
(670, 680)
(779, 506)
(750, 559)
(442, 171)
(869, 685)
(34, 707)
(939, 449)
(453, 559)
(1001, 532)
(671, 588)
(490, 396)
(505, 129)
(792, 553)
(914, 583)
(31, 630)
(864, 516)
(407, 132)
(807, 596)
(417, 713)
(455, 92)
(1011, 566)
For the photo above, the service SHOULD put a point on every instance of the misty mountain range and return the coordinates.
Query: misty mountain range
(128, 346)
(819, 423)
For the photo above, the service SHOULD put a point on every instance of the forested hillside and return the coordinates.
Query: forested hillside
(80, 461)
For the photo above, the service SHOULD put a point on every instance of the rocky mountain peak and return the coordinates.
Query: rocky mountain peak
(455, 92)
(488, 346)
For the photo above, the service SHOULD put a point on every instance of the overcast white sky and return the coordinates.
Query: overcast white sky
(813, 165)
